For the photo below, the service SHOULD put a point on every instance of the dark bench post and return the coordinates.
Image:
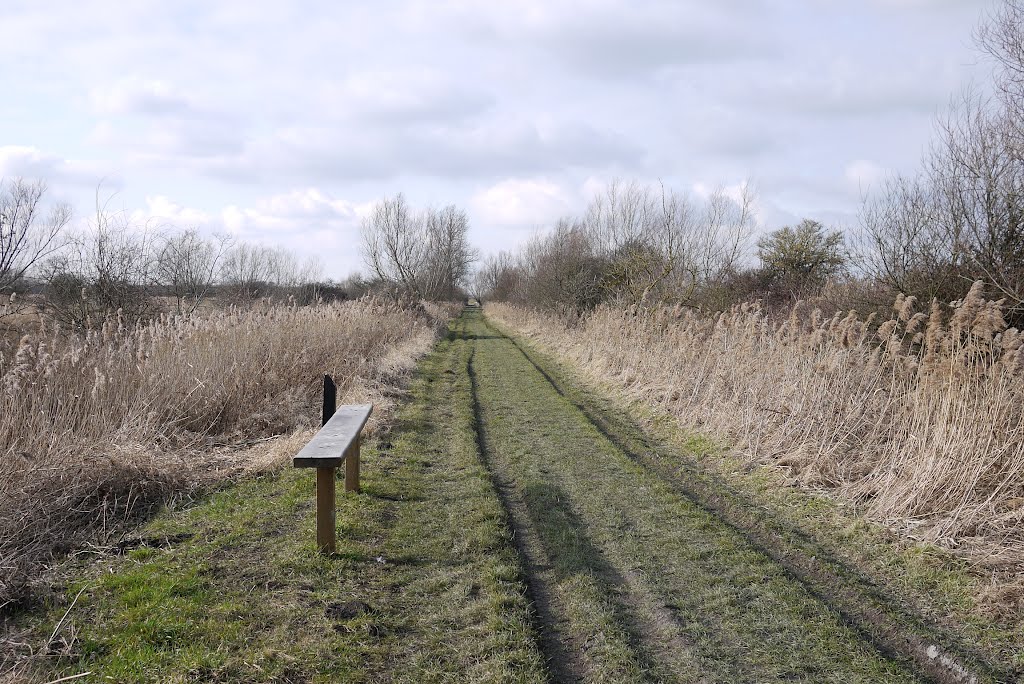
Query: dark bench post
(326, 509)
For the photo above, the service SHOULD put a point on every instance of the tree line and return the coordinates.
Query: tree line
(929, 234)
(638, 243)
(116, 266)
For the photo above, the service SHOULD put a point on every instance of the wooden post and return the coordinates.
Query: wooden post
(325, 509)
(330, 399)
(352, 467)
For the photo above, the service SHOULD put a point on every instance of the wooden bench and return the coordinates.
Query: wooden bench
(337, 442)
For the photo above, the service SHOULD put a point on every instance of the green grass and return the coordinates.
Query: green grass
(425, 585)
(685, 597)
(894, 588)
(514, 526)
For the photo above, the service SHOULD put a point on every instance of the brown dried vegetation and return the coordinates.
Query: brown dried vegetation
(98, 427)
(919, 420)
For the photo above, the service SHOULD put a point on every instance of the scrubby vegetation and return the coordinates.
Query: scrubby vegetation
(785, 343)
(918, 420)
(97, 426)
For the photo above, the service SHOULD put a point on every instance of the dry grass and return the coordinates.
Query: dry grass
(918, 420)
(96, 428)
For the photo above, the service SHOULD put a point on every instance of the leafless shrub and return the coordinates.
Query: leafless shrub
(634, 243)
(247, 273)
(187, 267)
(108, 268)
(961, 218)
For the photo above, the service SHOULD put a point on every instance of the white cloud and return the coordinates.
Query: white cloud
(521, 203)
(506, 108)
(31, 162)
(148, 97)
(161, 210)
(294, 215)
(862, 174)
(611, 38)
(418, 94)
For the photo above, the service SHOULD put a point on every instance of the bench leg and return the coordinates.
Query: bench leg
(352, 467)
(325, 509)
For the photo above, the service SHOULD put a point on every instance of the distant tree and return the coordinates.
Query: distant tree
(800, 259)
(107, 269)
(658, 240)
(446, 264)
(392, 243)
(248, 272)
(424, 254)
(186, 265)
(564, 271)
(28, 233)
(499, 277)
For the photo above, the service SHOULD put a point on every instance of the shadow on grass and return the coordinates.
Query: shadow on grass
(572, 554)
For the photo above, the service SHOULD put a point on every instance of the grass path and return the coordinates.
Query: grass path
(645, 584)
(512, 528)
(425, 586)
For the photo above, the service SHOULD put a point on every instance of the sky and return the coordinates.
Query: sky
(282, 123)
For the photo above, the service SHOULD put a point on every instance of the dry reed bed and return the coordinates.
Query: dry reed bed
(96, 427)
(918, 420)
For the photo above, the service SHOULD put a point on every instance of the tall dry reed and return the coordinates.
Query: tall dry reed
(918, 419)
(96, 426)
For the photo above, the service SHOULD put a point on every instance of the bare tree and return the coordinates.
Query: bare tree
(449, 255)
(658, 239)
(28, 233)
(903, 242)
(427, 254)
(563, 270)
(392, 243)
(249, 272)
(1001, 37)
(962, 218)
(109, 268)
(186, 264)
(499, 277)
(622, 215)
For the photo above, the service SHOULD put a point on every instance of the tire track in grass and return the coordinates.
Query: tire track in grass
(688, 596)
(894, 630)
(590, 625)
(562, 657)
